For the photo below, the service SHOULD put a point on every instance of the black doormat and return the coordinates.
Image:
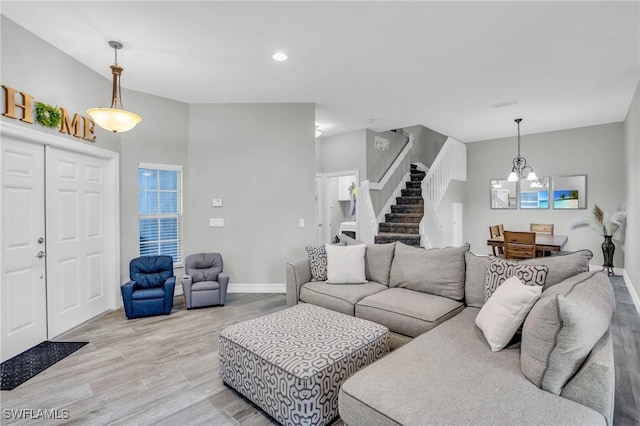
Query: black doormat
(22, 367)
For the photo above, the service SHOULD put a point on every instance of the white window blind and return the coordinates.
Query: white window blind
(160, 210)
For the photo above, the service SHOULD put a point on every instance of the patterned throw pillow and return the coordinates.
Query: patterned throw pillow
(318, 261)
(500, 269)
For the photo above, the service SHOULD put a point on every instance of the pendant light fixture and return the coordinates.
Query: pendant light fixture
(115, 118)
(520, 163)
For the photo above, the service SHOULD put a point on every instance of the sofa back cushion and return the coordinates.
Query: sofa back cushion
(563, 266)
(203, 266)
(438, 271)
(477, 267)
(560, 268)
(562, 328)
(151, 271)
(377, 262)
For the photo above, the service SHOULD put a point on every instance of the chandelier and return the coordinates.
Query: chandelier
(520, 163)
(115, 118)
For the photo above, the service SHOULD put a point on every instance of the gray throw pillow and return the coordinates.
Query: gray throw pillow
(318, 261)
(438, 271)
(563, 266)
(562, 328)
(475, 278)
(377, 262)
(501, 269)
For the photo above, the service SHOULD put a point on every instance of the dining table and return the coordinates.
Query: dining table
(544, 242)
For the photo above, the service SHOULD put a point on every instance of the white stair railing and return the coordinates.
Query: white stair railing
(366, 216)
(450, 163)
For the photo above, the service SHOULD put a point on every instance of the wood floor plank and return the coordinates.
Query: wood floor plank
(164, 370)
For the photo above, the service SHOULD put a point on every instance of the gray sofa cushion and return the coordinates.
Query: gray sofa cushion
(477, 267)
(560, 268)
(563, 327)
(377, 262)
(450, 376)
(563, 266)
(439, 271)
(203, 266)
(406, 311)
(338, 297)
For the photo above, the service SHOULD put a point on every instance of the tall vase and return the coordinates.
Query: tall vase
(608, 248)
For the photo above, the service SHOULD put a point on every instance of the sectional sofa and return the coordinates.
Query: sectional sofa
(443, 371)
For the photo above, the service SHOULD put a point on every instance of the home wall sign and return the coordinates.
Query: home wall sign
(79, 126)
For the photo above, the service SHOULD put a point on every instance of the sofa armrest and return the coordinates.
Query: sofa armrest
(127, 297)
(169, 289)
(298, 273)
(594, 384)
(187, 281)
(223, 280)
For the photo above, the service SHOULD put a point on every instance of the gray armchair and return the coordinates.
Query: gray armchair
(204, 283)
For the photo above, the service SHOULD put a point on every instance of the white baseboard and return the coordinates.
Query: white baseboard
(257, 288)
(627, 281)
(632, 291)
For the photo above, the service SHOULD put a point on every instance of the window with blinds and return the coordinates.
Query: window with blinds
(160, 210)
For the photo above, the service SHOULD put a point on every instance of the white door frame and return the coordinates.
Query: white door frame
(319, 194)
(327, 204)
(112, 214)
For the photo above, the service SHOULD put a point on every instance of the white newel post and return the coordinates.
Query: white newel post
(366, 217)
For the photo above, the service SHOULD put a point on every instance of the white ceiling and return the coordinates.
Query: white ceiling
(464, 69)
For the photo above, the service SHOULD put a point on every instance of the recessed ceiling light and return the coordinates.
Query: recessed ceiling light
(280, 56)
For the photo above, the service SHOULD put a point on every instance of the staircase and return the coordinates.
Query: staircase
(403, 223)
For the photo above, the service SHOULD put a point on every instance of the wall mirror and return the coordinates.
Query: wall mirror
(569, 192)
(503, 194)
(534, 194)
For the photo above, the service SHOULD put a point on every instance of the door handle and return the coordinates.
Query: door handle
(41, 254)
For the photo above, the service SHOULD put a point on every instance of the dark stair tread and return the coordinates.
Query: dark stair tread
(414, 185)
(409, 200)
(411, 192)
(388, 237)
(403, 217)
(407, 208)
(401, 224)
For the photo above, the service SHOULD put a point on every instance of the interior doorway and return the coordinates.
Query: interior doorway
(340, 201)
(60, 236)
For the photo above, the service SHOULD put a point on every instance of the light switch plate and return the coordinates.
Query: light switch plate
(216, 221)
(301, 223)
(217, 202)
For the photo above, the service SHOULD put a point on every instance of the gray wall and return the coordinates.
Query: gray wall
(161, 138)
(346, 151)
(378, 160)
(597, 151)
(427, 144)
(632, 144)
(455, 194)
(33, 66)
(260, 159)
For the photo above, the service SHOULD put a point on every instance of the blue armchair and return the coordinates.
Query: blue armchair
(150, 291)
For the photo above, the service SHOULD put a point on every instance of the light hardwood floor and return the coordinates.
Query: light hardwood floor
(164, 370)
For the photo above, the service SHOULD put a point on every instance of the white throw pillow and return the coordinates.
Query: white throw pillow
(506, 309)
(345, 264)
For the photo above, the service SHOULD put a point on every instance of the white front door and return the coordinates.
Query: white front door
(23, 294)
(78, 247)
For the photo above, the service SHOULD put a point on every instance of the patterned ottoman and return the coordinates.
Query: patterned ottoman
(291, 363)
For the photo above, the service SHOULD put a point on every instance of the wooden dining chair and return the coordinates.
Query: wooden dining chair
(519, 245)
(541, 228)
(494, 231)
(501, 229)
